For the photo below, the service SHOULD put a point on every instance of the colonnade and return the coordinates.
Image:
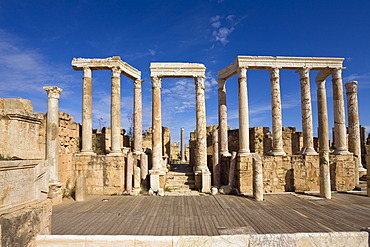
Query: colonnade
(118, 67)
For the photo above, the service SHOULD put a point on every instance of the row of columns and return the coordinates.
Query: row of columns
(115, 113)
(277, 145)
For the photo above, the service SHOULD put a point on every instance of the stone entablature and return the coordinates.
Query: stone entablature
(106, 64)
(293, 63)
(177, 70)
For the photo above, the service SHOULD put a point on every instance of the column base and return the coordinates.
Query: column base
(341, 152)
(225, 154)
(155, 177)
(277, 153)
(115, 154)
(309, 151)
(86, 153)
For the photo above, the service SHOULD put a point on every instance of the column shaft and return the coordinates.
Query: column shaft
(115, 112)
(157, 124)
(325, 188)
(201, 152)
(138, 116)
(243, 112)
(340, 131)
(277, 129)
(222, 118)
(52, 132)
(215, 159)
(308, 147)
(87, 112)
(183, 146)
(354, 142)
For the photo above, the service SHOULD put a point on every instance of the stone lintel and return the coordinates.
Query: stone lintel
(291, 63)
(177, 70)
(106, 64)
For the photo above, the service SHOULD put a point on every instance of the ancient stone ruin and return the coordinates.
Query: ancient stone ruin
(54, 157)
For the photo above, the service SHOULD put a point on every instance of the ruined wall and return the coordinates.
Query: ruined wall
(166, 140)
(22, 132)
(105, 175)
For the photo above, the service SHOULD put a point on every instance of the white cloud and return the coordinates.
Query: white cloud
(223, 27)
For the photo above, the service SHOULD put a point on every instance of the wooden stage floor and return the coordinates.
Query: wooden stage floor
(210, 215)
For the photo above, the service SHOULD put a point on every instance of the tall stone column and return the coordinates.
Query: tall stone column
(52, 132)
(201, 129)
(183, 146)
(87, 113)
(115, 112)
(157, 124)
(138, 117)
(308, 147)
(340, 130)
(222, 118)
(215, 159)
(354, 142)
(277, 128)
(243, 112)
(325, 188)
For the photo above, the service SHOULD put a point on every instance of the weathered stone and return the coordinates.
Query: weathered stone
(80, 192)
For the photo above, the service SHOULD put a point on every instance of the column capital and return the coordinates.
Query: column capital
(320, 83)
(351, 87)
(156, 82)
(53, 92)
(116, 72)
(87, 72)
(199, 81)
(242, 72)
(137, 83)
(304, 72)
(336, 73)
(274, 72)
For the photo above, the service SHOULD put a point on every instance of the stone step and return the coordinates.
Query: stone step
(184, 178)
(180, 174)
(182, 193)
(173, 181)
(180, 187)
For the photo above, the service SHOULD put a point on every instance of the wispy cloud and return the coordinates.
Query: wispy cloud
(222, 27)
(363, 79)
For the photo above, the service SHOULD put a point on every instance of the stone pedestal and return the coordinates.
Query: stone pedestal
(203, 180)
(81, 190)
(55, 192)
(156, 179)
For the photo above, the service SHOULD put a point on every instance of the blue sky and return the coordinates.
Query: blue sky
(38, 40)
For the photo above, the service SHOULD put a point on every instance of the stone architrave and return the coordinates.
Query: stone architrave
(354, 141)
(215, 159)
(340, 130)
(116, 112)
(87, 112)
(308, 147)
(52, 132)
(138, 116)
(243, 112)
(157, 124)
(201, 127)
(129, 172)
(277, 128)
(182, 147)
(325, 187)
(222, 118)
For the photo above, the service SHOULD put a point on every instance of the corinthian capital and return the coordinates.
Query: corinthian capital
(336, 73)
(87, 72)
(53, 92)
(156, 82)
(274, 72)
(351, 87)
(242, 72)
(199, 81)
(304, 72)
(137, 83)
(116, 71)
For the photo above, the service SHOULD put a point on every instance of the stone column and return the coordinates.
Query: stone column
(201, 129)
(87, 113)
(52, 132)
(257, 178)
(129, 172)
(325, 188)
(138, 117)
(340, 130)
(277, 129)
(222, 118)
(115, 112)
(157, 124)
(183, 148)
(243, 112)
(215, 159)
(354, 142)
(308, 147)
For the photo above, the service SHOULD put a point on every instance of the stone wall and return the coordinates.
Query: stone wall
(105, 175)
(166, 140)
(22, 132)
